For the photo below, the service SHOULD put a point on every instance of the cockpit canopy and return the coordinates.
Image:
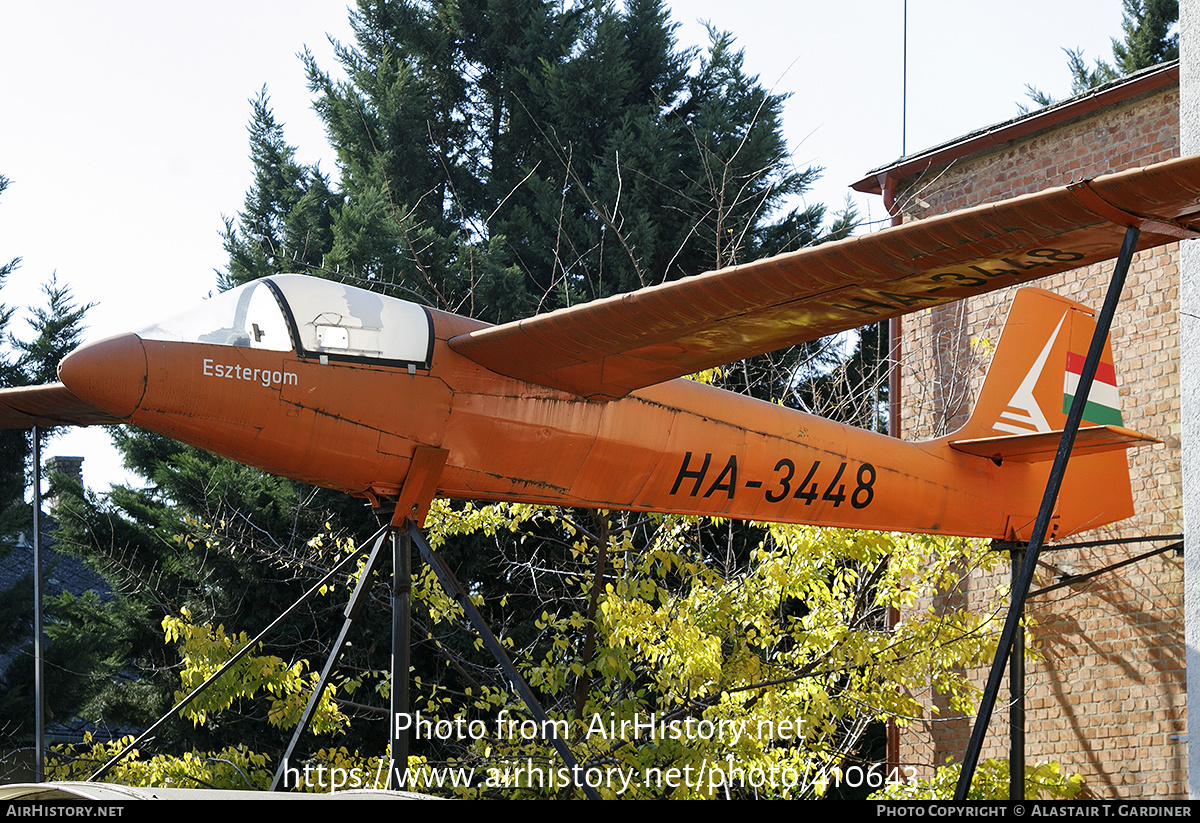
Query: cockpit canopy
(315, 318)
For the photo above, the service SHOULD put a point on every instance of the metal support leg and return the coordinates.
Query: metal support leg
(357, 601)
(1054, 482)
(455, 590)
(1016, 693)
(1021, 587)
(39, 648)
(401, 635)
(231, 662)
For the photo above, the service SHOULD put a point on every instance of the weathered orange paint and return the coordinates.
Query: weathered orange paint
(582, 407)
(680, 446)
(609, 347)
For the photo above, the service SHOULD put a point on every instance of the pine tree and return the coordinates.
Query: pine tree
(1151, 35)
(1150, 38)
(55, 331)
(286, 222)
(494, 159)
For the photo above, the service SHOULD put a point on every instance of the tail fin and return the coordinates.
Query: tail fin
(1032, 381)
(1023, 406)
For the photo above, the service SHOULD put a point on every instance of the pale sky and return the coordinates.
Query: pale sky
(123, 124)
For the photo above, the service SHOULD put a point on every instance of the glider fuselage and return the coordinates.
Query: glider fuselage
(679, 446)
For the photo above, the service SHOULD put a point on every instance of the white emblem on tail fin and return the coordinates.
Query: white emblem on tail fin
(1023, 408)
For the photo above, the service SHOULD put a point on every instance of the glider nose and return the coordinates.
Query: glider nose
(110, 374)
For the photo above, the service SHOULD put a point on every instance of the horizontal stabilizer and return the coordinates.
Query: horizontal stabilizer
(52, 405)
(1042, 446)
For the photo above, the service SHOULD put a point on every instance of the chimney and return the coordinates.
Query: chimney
(70, 466)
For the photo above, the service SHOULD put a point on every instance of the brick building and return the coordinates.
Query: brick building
(1108, 698)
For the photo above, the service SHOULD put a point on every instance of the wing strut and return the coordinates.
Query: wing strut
(1020, 588)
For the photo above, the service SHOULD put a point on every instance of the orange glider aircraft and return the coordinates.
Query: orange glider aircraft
(383, 398)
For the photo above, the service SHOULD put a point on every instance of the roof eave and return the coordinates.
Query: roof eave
(1116, 91)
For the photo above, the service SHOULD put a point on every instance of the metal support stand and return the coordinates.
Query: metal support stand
(1020, 588)
(455, 590)
(402, 540)
(357, 600)
(1016, 694)
(231, 662)
(401, 636)
(1016, 665)
(401, 627)
(39, 649)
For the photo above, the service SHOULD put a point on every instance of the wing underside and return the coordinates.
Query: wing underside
(51, 405)
(608, 348)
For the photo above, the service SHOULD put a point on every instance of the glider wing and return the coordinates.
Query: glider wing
(607, 348)
(51, 405)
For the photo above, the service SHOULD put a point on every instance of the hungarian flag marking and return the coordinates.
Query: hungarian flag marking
(1103, 406)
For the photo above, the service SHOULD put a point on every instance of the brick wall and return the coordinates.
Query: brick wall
(1109, 692)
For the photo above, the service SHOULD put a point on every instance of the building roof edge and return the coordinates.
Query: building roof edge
(1116, 91)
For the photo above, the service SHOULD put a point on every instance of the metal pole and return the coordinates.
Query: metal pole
(904, 88)
(357, 601)
(454, 589)
(401, 637)
(1042, 524)
(1016, 693)
(229, 664)
(39, 684)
